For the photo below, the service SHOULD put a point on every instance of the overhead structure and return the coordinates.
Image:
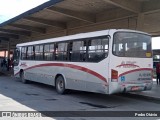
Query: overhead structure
(65, 17)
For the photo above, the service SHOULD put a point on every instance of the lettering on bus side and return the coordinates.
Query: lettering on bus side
(145, 76)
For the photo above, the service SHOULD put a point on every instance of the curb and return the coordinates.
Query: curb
(142, 97)
(3, 73)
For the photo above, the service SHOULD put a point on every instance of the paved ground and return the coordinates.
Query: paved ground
(15, 96)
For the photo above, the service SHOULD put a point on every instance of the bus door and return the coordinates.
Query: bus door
(16, 59)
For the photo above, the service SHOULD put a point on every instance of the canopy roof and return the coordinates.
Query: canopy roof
(64, 17)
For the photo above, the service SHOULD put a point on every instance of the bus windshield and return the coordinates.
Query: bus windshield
(130, 44)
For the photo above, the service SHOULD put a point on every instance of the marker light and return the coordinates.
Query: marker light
(114, 75)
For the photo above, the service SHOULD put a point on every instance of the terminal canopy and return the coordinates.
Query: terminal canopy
(65, 17)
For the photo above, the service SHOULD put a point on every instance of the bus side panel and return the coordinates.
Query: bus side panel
(78, 76)
(40, 73)
(99, 86)
(83, 79)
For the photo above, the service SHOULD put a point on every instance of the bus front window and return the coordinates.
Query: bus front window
(130, 44)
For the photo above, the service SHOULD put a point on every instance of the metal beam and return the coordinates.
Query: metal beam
(47, 22)
(4, 38)
(3, 42)
(114, 15)
(9, 35)
(29, 28)
(151, 6)
(24, 33)
(155, 34)
(130, 5)
(3, 48)
(73, 14)
(140, 21)
(152, 28)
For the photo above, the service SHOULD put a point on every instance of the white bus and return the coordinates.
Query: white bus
(107, 61)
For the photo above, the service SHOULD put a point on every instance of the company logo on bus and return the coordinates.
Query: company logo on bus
(23, 64)
(128, 64)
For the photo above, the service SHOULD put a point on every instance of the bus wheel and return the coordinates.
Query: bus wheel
(22, 77)
(60, 85)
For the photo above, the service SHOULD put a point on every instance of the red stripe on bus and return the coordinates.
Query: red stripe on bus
(150, 69)
(70, 66)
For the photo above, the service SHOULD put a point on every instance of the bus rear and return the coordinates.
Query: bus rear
(130, 62)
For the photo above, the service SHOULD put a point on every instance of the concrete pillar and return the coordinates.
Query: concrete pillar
(8, 56)
(140, 21)
(5, 53)
(66, 32)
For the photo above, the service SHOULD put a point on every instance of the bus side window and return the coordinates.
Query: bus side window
(69, 51)
(30, 53)
(49, 52)
(97, 49)
(39, 52)
(24, 53)
(61, 51)
(78, 51)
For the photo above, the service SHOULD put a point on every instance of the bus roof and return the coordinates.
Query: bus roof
(77, 36)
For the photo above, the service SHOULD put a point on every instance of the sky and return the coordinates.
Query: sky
(156, 43)
(12, 8)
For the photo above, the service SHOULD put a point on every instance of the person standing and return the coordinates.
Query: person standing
(4, 63)
(158, 73)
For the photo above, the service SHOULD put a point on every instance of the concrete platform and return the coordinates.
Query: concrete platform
(5, 72)
(153, 94)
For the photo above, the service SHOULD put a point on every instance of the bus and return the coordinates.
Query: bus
(107, 61)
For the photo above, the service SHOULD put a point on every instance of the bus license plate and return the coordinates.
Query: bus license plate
(134, 88)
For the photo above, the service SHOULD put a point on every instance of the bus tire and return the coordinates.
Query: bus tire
(60, 85)
(22, 77)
